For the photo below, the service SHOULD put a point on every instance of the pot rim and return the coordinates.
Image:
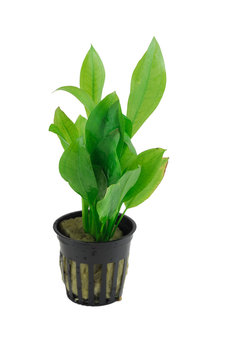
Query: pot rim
(98, 243)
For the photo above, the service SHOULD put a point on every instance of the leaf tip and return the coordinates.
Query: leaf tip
(60, 88)
(154, 41)
(166, 164)
(58, 109)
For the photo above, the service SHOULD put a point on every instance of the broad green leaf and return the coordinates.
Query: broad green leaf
(101, 181)
(127, 158)
(105, 156)
(64, 128)
(129, 153)
(65, 125)
(129, 144)
(115, 120)
(105, 136)
(81, 95)
(96, 125)
(127, 126)
(147, 85)
(54, 129)
(75, 167)
(110, 205)
(80, 125)
(153, 167)
(92, 75)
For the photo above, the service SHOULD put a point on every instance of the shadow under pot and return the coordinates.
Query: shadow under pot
(94, 272)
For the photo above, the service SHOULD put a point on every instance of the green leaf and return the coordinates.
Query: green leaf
(105, 156)
(129, 153)
(75, 167)
(80, 125)
(127, 126)
(54, 129)
(147, 85)
(129, 144)
(64, 128)
(81, 95)
(105, 136)
(115, 121)
(153, 167)
(96, 127)
(92, 75)
(127, 158)
(110, 205)
(101, 181)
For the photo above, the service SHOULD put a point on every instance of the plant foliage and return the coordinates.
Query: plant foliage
(99, 160)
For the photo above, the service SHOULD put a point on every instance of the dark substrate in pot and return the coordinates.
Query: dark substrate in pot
(94, 272)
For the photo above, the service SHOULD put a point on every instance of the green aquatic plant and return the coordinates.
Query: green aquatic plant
(99, 160)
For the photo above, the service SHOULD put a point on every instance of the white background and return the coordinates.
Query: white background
(181, 298)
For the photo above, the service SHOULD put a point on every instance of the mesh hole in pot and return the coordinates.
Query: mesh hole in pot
(93, 284)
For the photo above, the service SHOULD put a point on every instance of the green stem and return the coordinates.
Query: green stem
(102, 233)
(95, 223)
(109, 226)
(85, 215)
(116, 225)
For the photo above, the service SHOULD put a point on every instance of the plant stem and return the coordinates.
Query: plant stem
(92, 224)
(95, 223)
(85, 214)
(116, 225)
(109, 229)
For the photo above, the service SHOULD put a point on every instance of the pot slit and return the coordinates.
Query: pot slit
(93, 284)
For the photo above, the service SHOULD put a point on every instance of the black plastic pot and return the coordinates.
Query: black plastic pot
(94, 272)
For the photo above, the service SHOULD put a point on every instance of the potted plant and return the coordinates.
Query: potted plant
(100, 163)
